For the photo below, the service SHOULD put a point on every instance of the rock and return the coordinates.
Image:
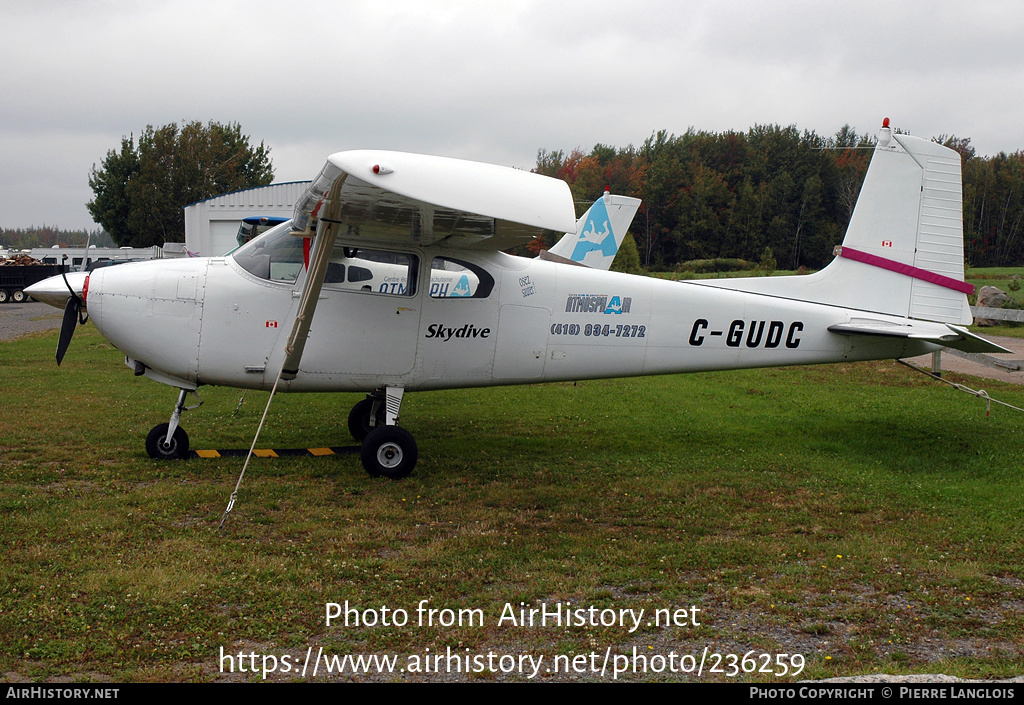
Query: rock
(990, 297)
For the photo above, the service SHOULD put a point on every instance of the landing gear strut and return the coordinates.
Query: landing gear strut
(388, 450)
(168, 441)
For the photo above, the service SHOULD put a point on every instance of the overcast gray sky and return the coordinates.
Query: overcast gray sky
(489, 81)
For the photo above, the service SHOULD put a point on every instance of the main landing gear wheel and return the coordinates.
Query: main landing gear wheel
(159, 448)
(359, 419)
(389, 451)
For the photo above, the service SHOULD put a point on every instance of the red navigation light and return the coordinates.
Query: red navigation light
(885, 122)
(376, 168)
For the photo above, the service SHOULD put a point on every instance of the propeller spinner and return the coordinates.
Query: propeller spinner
(55, 290)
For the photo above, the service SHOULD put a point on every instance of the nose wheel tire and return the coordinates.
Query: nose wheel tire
(160, 447)
(389, 451)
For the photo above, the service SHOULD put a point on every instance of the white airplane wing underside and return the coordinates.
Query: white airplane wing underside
(412, 199)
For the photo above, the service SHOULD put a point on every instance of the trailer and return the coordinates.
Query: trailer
(15, 278)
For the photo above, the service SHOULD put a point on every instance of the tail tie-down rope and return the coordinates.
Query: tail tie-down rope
(980, 393)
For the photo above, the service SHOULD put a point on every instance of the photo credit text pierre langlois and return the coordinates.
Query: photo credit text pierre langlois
(631, 661)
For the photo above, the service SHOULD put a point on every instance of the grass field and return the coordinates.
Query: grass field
(860, 516)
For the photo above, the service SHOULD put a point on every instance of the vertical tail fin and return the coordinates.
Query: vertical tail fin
(905, 245)
(599, 232)
(903, 253)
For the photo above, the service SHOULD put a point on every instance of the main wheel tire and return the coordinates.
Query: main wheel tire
(176, 450)
(359, 419)
(19, 296)
(389, 451)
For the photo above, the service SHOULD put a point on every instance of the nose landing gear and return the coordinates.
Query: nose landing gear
(162, 445)
(168, 441)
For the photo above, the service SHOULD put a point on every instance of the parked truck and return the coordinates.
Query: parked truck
(15, 277)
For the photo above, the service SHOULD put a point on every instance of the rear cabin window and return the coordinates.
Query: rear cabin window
(456, 279)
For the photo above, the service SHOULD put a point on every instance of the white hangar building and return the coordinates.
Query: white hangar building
(211, 226)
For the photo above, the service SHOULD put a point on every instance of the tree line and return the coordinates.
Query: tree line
(27, 238)
(771, 192)
(734, 195)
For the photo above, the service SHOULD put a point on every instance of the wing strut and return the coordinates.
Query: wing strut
(322, 249)
(323, 246)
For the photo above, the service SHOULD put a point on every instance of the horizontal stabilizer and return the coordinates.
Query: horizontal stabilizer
(946, 335)
(971, 343)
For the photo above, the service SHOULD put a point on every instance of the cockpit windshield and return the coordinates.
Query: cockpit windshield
(275, 255)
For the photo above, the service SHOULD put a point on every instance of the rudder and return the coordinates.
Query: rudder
(903, 253)
(905, 239)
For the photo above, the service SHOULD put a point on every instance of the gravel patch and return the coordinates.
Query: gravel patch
(953, 363)
(17, 320)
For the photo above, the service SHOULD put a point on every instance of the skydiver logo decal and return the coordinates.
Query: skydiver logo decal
(439, 331)
(597, 303)
(462, 288)
(766, 334)
(591, 238)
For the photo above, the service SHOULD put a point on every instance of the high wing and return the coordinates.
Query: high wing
(380, 197)
(398, 198)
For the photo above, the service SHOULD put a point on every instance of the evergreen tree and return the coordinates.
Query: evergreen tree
(628, 257)
(140, 191)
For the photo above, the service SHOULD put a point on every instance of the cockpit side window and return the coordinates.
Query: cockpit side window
(377, 271)
(453, 278)
(278, 256)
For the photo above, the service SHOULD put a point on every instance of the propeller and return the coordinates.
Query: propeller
(73, 309)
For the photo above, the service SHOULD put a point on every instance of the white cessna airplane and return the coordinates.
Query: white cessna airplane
(895, 290)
